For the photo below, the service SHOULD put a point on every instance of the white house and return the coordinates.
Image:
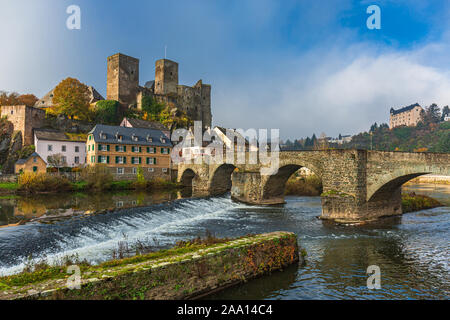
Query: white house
(71, 147)
(218, 140)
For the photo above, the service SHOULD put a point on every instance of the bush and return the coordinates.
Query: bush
(414, 202)
(309, 186)
(31, 182)
(97, 177)
(106, 111)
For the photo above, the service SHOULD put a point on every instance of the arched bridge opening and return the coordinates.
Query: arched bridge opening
(275, 189)
(220, 182)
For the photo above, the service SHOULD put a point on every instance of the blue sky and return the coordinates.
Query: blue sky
(300, 66)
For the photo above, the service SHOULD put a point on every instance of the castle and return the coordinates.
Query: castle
(123, 86)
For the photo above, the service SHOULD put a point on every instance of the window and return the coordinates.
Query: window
(121, 149)
(35, 169)
(64, 159)
(165, 170)
(151, 150)
(151, 169)
(103, 159)
(119, 204)
(77, 149)
(151, 160)
(77, 160)
(165, 150)
(135, 160)
(35, 159)
(103, 147)
(12, 112)
(49, 147)
(92, 159)
(63, 148)
(120, 170)
(121, 160)
(134, 170)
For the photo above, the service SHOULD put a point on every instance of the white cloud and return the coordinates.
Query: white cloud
(342, 91)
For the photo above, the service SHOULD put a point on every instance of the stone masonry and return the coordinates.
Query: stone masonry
(123, 86)
(24, 119)
(358, 185)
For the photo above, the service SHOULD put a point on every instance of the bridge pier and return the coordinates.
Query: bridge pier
(345, 208)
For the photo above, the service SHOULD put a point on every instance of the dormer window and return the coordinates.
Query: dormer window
(149, 139)
(102, 135)
(134, 137)
(163, 140)
(118, 136)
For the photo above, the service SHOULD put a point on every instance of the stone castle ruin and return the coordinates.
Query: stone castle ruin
(123, 86)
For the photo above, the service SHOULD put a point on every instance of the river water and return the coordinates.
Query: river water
(412, 251)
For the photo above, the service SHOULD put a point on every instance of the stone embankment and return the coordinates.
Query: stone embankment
(180, 273)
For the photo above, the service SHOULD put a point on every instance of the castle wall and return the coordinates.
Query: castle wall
(166, 77)
(24, 119)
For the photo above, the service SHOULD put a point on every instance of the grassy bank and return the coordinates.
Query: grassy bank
(414, 202)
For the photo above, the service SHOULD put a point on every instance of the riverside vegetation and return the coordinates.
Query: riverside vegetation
(94, 178)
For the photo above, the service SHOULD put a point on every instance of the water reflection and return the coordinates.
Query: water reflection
(50, 208)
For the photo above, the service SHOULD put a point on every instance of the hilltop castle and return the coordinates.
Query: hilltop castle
(123, 86)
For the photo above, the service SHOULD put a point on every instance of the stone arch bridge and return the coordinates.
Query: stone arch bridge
(358, 185)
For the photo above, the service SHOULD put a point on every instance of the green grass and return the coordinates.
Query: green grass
(9, 185)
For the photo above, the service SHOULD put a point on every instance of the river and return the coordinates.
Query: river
(412, 251)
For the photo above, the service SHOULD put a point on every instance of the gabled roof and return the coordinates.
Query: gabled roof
(404, 109)
(111, 133)
(22, 161)
(139, 123)
(55, 135)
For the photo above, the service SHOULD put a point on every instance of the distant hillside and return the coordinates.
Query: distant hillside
(434, 137)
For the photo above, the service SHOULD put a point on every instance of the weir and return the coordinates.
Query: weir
(358, 185)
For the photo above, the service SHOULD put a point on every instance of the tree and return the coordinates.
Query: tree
(150, 106)
(106, 111)
(174, 119)
(71, 98)
(432, 114)
(57, 161)
(374, 127)
(9, 99)
(445, 112)
(28, 99)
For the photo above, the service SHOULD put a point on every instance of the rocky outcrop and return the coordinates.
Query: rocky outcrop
(65, 124)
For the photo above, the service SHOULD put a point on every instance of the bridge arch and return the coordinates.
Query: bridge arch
(220, 181)
(390, 184)
(187, 178)
(273, 188)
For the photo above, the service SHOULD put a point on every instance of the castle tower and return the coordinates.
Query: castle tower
(122, 79)
(166, 77)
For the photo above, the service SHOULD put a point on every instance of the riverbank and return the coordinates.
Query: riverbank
(190, 270)
(45, 184)
(430, 179)
(412, 202)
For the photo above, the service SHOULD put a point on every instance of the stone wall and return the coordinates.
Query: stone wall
(187, 275)
(24, 119)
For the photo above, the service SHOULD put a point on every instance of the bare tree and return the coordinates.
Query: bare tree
(57, 161)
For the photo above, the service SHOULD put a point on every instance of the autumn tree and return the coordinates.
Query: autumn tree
(71, 98)
(27, 99)
(9, 99)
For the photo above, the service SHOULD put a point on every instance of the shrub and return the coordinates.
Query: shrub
(31, 182)
(106, 111)
(97, 177)
(309, 186)
(414, 202)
